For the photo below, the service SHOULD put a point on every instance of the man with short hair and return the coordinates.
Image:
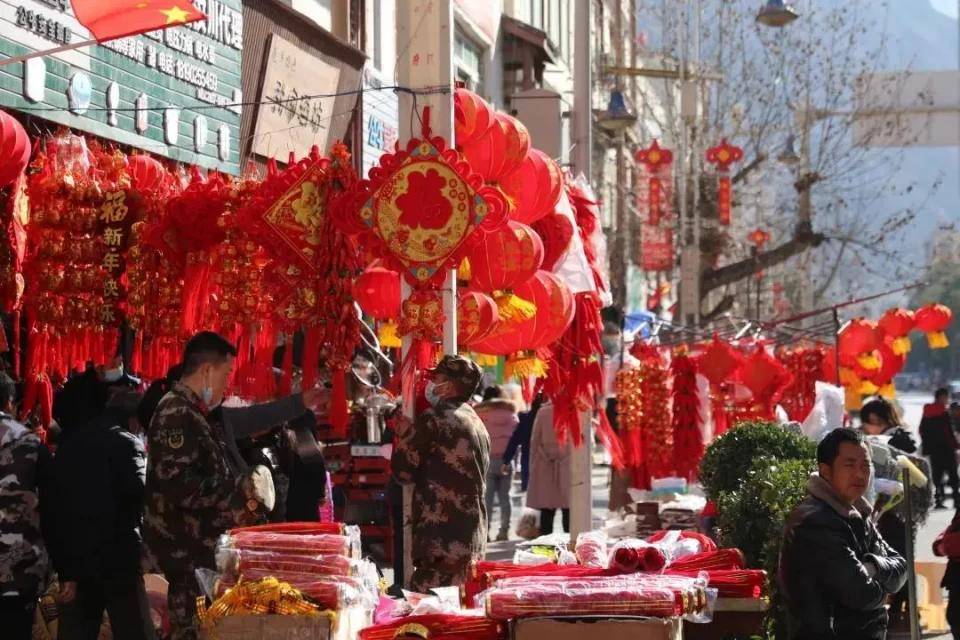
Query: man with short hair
(835, 568)
(939, 443)
(25, 493)
(445, 455)
(194, 493)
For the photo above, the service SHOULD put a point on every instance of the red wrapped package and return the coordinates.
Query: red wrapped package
(628, 556)
(733, 583)
(243, 562)
(294, 528)
(591, 549)
(438, 626)
(559, 600)
(706, 544)
(711, 561)
(485, 573)
(320, 544)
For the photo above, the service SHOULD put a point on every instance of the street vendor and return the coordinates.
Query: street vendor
(194, 493)
(445, 455)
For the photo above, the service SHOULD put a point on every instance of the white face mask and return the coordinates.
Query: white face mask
(206, 395)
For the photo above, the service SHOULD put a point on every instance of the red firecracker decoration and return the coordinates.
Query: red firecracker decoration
(687, 439)
(722, 156)
(656, 161)
(933, 320)
(806, 365)
(895, 324)
(643, 407)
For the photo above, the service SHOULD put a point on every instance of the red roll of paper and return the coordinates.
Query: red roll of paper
(320, 544)
(294, 528)
(558, 599)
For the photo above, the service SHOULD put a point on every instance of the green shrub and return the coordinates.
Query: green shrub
(726, 461)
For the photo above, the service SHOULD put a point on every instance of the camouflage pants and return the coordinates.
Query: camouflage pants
(445, 572)
(182, 597)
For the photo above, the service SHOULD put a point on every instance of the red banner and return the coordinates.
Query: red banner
(656, 248)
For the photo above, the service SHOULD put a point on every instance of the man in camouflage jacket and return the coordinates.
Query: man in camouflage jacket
(445, 455)
(195, 493)
(25, 479)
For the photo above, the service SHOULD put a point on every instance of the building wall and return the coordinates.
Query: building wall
(380, 107)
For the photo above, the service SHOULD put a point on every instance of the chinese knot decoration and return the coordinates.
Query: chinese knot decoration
(657, 162)
(759, 238)
(722, 156)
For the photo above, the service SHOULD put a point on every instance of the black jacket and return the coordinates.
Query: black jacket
(836, 570)
(936, 433)
(99, 474)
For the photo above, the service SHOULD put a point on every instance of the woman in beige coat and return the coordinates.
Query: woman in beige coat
(549, 488)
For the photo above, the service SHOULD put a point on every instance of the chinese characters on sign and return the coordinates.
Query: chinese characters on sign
(114, 224)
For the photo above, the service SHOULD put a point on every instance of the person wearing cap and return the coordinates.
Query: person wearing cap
(445, 455)
(99, 476)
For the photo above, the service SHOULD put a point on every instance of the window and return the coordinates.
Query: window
(468, 62)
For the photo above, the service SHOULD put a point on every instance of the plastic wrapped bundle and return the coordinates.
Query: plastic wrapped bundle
(559, 599)
(630, 555)
(242, 562)
(347, 544)
(591, 549)
(438, 627)
(734, 583)
(486, 573)
(704, 542)
(330, 593)
(294, 528)
(711, 561)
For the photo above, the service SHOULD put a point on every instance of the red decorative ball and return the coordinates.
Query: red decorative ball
(378, 292)
(505, 258)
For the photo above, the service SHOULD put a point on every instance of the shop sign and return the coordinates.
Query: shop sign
(296, 102)
(174, 92)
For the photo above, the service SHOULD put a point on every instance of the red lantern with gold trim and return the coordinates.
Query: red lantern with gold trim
(857, 343)
(891, 363)
(501, 261)
(476, 317)
(500, 150)
(534, 188)
(896, 323)
(933, 320)
(556, 231)
(472, 116)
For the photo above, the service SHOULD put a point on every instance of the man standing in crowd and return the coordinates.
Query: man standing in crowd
(940, 445)
(194, 495)
(25, 474)
(835, 568)
(100, 470)
(445, 455)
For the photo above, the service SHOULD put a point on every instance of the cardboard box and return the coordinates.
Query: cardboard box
(348, 623)
(577, 628)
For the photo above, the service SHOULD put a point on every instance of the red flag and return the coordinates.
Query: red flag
(109, 19)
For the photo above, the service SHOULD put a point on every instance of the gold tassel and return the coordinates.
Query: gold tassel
(888, 391)
(513, 308)
(388, 336)
(938, 340)
(867, 388)
(485, 360)
(901, 346)
(464, 273)
(869, 361)
(525, 364)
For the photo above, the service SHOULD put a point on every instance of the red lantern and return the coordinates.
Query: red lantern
(504, 259)
(719, 362)
(555, 308)
(500, 150)
(378, 292)
(476, 316)
(891, 364)
(766, 378)
(933, 320)
(472, 116)
(858, 341)
(556, 231)
(146, 173)
(14, 149)
(534, 188)
(896, 324)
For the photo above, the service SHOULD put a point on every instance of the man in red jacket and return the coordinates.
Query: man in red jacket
(948, 544)
(940, 445)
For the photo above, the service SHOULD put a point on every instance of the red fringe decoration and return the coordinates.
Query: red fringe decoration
(687, 439)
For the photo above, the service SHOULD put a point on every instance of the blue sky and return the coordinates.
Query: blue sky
(948, 7)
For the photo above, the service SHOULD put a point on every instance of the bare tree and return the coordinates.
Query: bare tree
(840, 211)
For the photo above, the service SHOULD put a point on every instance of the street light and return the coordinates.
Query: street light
(776, 13)
(617, 118)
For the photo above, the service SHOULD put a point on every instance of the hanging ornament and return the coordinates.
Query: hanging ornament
(933, 320)
(759, 238)
(472, 116)
(896, 323)
(15, 149)
(720, 362)
(502, 260)
(722, 156)
(556, 232)
(534, 188)
(891, 364)
(377, 290)
(500, 150)
(476, 316)
(858, 342)
(687, 439)
(656, 161)
(766, 378)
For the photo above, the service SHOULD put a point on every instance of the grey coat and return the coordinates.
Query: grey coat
(549, 486)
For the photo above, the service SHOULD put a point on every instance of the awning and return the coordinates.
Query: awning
(530, 37)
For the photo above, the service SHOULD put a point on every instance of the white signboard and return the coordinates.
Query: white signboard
(286, 122)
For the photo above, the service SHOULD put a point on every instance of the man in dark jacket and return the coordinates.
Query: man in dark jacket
(99, 477)
(940, 445)
(835, 568)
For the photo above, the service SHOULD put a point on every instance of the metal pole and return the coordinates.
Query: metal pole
(836, 340)
(581, 459)
(911, 569)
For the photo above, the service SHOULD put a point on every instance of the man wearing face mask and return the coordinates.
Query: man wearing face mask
(445, 455)
(194, 494)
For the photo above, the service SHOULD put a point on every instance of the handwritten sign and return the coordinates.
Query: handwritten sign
(293, 116)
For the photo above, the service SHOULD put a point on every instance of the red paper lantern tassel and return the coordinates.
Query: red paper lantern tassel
(311, 358)
(286, 381)
(339, 411)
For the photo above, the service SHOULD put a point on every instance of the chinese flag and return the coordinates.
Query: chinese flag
(109, 19)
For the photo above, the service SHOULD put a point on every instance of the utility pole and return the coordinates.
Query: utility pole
(425, 63)
(581, 459)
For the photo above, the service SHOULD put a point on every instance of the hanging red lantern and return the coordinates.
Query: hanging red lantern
(722, 156)
(933, 320)
(378, 292)
(719, 362)
(556, 232)
(891, 364)
(476, 316)
(472, 116)
(858, 341)
(896, 323)
(828, 366)
(503, 259)
(500, 150)
(146, 173)
(14, 149)
(534, 188)
(656, 161)
(766, 378)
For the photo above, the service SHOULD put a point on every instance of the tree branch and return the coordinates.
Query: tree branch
(725, 304)
(834, 270)
(745, 171)
(803, 238)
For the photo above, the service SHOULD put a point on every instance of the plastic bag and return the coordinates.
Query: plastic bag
(528, 527)
(591, 549)
(347, 544)
(237, 562)
(530, 558)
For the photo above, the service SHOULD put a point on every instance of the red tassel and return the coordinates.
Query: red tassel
(311, 358)
(45, 399)
(195, 294)
(611, 442)
(339, 411)
(136, 358)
